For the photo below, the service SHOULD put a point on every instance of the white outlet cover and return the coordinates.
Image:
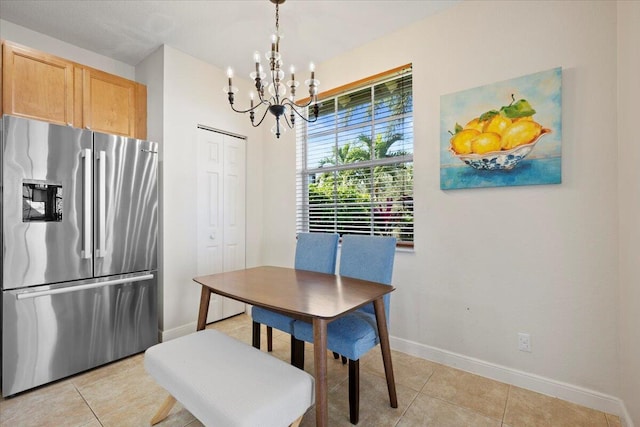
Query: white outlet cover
(524, 342)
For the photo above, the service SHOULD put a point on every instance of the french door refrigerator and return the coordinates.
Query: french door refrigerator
(79, 250)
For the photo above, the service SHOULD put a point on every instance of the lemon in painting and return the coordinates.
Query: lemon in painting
(461, 141)
(520, 133)
(475, 124)
(497, 124)
(485, 142)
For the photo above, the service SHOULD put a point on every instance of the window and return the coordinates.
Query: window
(355, 163)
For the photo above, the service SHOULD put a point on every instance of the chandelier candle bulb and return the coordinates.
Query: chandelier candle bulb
(256, 59)
(292, 85)
(229, 75)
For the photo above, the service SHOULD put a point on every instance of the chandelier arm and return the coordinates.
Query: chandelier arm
(293, 105)
(262, 119)
(311, 101)
(272, 100)
(249, 109)
(294, 108)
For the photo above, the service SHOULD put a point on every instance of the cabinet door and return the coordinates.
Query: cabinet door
(37, 85)
(141, 111)
(109, 103)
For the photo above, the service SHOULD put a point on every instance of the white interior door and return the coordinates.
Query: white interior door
(220, 212)
(234, 173)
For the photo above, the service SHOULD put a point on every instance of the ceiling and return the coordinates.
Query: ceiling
(220, 32)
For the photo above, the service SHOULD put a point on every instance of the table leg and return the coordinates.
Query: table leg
(320, 365)
(383, 333)
(205, 297)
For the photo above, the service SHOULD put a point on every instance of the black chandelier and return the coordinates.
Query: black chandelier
(276, 101)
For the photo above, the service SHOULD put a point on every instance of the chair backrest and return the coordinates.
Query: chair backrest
(317, 252)
(368, 258)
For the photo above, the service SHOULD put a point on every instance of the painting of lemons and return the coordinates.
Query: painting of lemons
(503, 134)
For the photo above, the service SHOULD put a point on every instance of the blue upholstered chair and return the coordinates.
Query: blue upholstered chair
(314, 252)
(367, 258)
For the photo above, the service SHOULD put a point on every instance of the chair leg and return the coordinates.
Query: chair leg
(256, 335)
(354, 391)
(297, 353)
(336, 356)
(269, 338)
(164, 410)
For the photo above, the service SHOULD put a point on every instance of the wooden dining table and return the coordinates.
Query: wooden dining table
(317, 298)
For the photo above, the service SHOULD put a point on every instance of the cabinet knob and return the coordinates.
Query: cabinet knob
(212, 236)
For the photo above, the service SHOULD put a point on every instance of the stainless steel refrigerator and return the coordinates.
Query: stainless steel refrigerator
(79, 250)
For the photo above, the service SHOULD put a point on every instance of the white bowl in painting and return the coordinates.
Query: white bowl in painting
(503, 159)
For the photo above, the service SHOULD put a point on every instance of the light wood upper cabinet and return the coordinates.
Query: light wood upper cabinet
(41, 86)
(108, 103)
(141, 111)
(112, 104)
(37, 85)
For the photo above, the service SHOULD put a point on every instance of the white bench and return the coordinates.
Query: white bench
(224, 382)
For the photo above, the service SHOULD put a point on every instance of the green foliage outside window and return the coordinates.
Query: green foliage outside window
(359, 167)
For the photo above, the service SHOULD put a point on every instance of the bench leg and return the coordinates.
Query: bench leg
(297, 422)
(164, 410)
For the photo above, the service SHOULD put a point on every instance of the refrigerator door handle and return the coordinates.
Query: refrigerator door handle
(102, 187)
(34, 294)
(86, 251)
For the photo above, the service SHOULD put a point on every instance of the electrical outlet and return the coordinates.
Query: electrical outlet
(524, 342)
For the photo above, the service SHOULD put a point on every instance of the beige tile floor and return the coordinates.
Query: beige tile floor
(121, 394)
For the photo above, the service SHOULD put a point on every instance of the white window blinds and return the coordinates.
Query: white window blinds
(355, 163)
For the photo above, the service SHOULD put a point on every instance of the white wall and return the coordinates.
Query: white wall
(489, 263)
(191, 94)
(150, 72)
(39, 41)
(629, 199)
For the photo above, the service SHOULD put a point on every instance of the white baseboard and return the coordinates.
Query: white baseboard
(533, 382)
(186, 329)
(178, 332)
